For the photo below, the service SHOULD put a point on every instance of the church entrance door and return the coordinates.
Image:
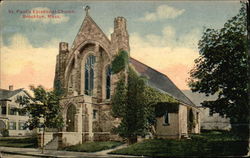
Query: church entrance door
(70, 119)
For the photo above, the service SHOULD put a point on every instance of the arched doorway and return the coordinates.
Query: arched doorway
(191, 121)
(70, 118)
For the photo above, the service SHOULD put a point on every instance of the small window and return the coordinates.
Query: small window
(94, 114)
(22, 113)
(197, 117)
(12, 125)
(4, 110)
(70, 82)
(21, 125)
(12, 111)
(210, 113)
(166, 119)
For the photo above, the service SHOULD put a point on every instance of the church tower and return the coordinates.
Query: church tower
(61, 65)
(120, 37)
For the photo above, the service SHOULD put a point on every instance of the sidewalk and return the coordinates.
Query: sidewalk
(59, 154)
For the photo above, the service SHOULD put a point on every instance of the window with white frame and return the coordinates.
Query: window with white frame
(12, 125)
(21, 125)
(12, 110)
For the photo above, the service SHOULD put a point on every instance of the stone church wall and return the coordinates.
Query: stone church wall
(168, 131)
(93, 120)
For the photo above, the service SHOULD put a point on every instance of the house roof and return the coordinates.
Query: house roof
(6, 94)
(160, 81)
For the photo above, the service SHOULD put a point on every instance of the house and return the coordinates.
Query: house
(84, 71)
(9, 118)
(214, 121)
(208, 121)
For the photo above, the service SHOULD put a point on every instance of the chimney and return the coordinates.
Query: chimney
(11, 87)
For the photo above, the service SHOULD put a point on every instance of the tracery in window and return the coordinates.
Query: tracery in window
(89, 75)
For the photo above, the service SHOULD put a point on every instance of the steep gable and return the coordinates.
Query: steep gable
(89, 31)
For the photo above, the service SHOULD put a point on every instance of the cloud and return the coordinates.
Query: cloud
(162, 12)
(45, 15)
(166, 54)
(22, 64)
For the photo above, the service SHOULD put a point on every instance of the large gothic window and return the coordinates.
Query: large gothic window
(89, 75)
(108, 82)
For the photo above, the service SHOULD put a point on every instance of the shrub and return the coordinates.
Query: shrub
(4, 132)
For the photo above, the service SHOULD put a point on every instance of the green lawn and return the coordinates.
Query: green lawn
(93, 146)
(207, 144)
(20, 142)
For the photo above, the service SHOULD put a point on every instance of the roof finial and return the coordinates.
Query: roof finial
(87, 9)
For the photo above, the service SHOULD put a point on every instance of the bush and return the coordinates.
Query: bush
(18, 142)
(211, 144)
(4, 132)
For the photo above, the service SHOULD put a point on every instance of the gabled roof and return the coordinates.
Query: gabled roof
(160, 81)
(6, 94)
(91, 21)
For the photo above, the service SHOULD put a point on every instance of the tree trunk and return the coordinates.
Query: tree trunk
(43, 140)
(132, 140)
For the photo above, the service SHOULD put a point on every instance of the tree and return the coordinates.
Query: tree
(134, 102)
(130, 104)
(222, 69)
(127, 103)
(44, 109)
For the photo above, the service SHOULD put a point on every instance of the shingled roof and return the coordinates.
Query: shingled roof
(160, 81)
(6, 94)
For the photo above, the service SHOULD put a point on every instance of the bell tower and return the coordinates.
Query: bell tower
(61, 64)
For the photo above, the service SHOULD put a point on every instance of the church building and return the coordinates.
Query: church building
(84, 71)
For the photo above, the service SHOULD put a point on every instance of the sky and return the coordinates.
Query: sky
(163, 34)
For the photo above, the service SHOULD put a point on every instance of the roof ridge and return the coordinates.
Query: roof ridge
(150, 67)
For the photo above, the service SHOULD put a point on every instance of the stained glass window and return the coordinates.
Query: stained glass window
(89, 75)
(108, 82)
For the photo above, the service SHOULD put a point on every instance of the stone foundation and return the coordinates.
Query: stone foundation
(177, 136)
(47, 138)
(101, 136)
(68, 138)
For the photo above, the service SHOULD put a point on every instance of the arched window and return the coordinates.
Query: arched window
(166, 118)
(108, 82)
(89, 75)
(70, 85)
